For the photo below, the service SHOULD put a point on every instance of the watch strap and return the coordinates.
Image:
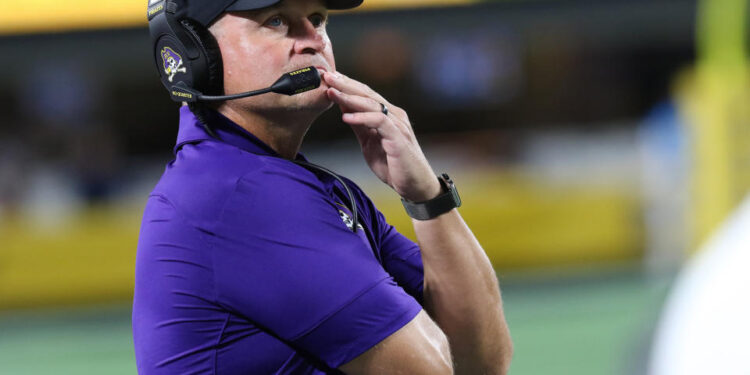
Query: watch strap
(437, 206)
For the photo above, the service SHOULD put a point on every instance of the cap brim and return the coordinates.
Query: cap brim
(240, 5)
(251, 4)
(343, 4)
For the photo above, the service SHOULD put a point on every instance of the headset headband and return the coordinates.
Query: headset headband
(184, 51)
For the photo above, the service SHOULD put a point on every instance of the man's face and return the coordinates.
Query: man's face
(258, 46)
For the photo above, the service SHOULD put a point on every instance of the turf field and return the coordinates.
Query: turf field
(580, 323)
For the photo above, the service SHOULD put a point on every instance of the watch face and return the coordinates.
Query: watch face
(450, 187)
(456, 197)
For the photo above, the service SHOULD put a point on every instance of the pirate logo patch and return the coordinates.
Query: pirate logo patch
(172, 63)
(348, 221)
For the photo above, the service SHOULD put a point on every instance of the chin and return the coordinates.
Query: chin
(311, 100)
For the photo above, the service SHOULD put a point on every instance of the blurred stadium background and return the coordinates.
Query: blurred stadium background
(596, 145)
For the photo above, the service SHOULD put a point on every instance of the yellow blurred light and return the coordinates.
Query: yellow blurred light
(33, 16)
(51, 15)
(714, 99)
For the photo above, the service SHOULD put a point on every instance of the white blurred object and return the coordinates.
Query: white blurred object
(51, 199)
(705, 325)
(663, 147)
(604, 158)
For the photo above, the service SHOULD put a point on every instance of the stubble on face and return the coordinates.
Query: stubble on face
(256, 53)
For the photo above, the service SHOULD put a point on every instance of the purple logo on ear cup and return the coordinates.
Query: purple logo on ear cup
(172, 62)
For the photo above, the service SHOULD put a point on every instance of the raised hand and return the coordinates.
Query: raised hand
(386, 137)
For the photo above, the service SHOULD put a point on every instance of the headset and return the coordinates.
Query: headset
(188, 59)
(186, 54)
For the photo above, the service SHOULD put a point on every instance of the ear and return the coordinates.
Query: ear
(208, 44)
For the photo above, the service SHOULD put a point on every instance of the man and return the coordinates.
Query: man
(246, 264)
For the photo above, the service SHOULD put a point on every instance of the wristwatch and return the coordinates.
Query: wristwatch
(437, 206)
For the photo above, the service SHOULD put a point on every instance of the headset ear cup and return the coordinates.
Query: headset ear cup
(214, 79)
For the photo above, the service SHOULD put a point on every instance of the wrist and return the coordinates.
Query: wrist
(431, 190)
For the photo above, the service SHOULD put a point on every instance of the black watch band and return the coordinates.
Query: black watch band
(437, 206)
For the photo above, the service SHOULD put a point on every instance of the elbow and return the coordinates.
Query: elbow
(506, 355)
(501, 366)
(505, 366)
(499, 362)
(505, 348)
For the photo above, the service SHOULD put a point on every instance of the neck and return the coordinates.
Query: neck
(283, 131)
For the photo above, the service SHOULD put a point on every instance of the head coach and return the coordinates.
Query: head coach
(253, 260)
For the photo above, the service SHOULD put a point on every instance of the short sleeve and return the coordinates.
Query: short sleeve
(285, 260)
(402, 258)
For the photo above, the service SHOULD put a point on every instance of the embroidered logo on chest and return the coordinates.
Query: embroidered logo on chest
(348, 221)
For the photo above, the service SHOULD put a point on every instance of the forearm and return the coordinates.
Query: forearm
(462, 295)
(461, 291)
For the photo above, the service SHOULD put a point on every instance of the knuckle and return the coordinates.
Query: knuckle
(372, 103)
(407, 135)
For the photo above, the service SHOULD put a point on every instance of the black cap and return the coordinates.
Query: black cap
(207, 11)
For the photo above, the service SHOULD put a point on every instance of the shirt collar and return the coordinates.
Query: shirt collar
(193, 131)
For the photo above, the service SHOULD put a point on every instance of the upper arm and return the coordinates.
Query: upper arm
(419, 347)
(401, 257)
(285, 260)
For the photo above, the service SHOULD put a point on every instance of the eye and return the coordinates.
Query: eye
(275, 21)
(318, 19)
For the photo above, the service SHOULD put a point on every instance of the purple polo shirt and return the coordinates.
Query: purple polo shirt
(245, 264)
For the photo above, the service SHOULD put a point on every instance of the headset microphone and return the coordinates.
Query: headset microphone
(291, 83)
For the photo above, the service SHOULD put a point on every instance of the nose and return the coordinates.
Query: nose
(309, 39)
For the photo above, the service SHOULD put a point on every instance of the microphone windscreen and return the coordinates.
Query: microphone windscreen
(298, 81)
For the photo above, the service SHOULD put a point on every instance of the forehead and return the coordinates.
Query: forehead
(231, 20)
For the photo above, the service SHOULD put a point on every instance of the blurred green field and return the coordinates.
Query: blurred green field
(582, 323)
